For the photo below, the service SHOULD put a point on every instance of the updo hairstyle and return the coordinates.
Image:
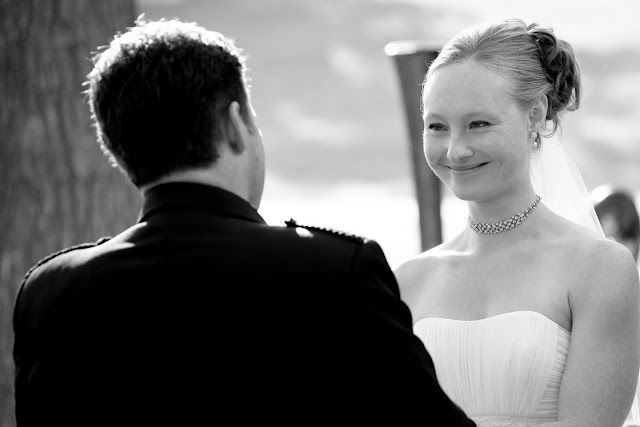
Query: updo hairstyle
(531, 57)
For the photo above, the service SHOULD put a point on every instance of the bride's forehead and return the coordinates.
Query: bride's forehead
(466, 83)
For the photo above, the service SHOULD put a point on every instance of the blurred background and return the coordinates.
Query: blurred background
(328, 101)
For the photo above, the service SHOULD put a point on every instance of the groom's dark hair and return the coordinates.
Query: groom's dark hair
(159, 96)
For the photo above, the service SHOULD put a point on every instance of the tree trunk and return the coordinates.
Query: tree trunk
(412, 61)
(56, 187)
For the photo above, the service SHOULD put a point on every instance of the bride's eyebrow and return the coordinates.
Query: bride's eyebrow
(481, 113)
(487, 114)
(432, 116)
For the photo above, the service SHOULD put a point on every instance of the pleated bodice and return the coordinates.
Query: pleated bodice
(500, 370)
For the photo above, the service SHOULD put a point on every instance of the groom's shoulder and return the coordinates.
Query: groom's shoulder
(61, 254)
(325, 234)
(61, 260)
(300, 240)
(48, 279)
(328, 250)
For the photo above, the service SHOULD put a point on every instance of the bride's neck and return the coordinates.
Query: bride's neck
(501, 207)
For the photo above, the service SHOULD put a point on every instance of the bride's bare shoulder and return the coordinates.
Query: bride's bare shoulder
(603, 282)
(602, 257)
(418, 268)
(588, 246)
(597, 263)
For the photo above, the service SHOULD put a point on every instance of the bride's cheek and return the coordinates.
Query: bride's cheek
(433, 152)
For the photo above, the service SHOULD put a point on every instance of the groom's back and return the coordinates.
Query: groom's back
(193, 315)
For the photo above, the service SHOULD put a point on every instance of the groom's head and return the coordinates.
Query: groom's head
(162, 95)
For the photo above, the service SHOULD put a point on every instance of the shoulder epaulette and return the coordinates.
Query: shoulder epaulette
(347, 236)
(63, 251)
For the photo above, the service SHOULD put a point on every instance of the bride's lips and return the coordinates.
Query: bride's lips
(465, 169)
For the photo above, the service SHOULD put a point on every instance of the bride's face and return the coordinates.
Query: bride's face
(476, 137)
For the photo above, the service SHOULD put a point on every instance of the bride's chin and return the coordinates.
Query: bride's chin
(465, 194)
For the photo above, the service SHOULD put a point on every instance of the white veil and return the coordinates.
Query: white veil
(558, 182)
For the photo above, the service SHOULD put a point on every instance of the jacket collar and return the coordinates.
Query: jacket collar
(187, 195)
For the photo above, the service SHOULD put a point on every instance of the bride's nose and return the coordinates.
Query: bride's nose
(460, 147)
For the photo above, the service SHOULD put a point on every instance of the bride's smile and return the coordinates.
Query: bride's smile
(466, 169)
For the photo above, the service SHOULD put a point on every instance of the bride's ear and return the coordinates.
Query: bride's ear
(538, 114)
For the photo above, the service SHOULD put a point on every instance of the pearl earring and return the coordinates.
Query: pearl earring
(535, 136)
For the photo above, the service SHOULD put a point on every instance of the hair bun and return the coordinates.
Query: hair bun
(560, 66)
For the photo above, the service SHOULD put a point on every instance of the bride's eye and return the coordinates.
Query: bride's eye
(478, 124)
(435, 127)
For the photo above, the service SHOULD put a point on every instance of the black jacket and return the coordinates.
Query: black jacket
(201, 313)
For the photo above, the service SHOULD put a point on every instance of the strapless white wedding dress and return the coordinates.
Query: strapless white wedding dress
(504, 370)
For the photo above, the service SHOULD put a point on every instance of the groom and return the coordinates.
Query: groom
(200, 312)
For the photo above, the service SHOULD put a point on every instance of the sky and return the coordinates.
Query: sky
(330, 108)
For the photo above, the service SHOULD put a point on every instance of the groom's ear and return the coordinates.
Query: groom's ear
(236, 128)
(538, 114)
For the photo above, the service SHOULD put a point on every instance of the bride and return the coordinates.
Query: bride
(529, 317)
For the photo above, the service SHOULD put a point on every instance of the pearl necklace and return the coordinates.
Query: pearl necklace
(500, 226)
